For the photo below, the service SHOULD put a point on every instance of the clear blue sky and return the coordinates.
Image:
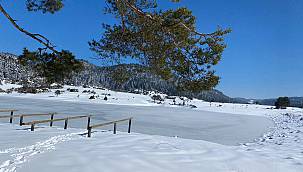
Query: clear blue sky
(264, 57)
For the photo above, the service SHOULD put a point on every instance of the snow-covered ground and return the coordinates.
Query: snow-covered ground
(223, 128)
(226, 127)
(51, 149)
(114, 97)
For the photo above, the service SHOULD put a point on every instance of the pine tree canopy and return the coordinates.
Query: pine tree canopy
(282, 103)
(49, 66)
(45, 6)
(164, 42)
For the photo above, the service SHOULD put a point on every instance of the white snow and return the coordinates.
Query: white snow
(69, 151)
(6, 85)
(55, 149)
(114, 97)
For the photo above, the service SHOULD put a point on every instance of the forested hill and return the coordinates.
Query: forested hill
(93, 75)
(293, 101)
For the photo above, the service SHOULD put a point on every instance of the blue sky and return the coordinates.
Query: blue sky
(264, 55)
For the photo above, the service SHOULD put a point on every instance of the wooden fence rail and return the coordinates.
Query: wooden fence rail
(25, 115)
(33, 123)
(31, 115)
(66, 119)
(89, 128)
(11, 115)
(8, 110)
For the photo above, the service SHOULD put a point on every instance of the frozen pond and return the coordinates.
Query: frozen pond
(222, 128)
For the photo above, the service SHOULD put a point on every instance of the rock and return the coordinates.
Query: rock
(73, 90)
(193, 106)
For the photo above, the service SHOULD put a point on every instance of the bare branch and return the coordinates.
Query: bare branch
(38, 37)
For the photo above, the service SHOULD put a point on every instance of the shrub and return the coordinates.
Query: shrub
(57, 92)
(31, 90)
(157, 97)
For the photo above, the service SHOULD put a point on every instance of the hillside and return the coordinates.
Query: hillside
(93, 75)
(294, 101)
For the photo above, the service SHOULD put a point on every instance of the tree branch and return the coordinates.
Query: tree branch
(141, 13)
(38, 37)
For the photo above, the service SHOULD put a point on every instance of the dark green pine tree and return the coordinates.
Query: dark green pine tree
(51, 67)
(166, 43)
(45, 6)
(282, 103)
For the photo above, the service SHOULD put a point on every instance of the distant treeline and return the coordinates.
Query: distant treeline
(293, 101)
(93, 75)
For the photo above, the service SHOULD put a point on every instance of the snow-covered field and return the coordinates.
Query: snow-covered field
(114, 97)
(212, 137)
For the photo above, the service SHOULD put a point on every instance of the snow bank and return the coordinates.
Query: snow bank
(276, 149)
(58, 150)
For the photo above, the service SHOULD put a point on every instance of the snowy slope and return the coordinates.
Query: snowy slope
(51, 149)
(58, 150)
(121, 98)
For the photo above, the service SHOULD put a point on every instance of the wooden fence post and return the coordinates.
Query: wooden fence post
(52, 118)
(65, 123)
(32, 127)
(115, 128)
(11, 118)
(88, 122)
(89, 132)
(21, 120)
(129, 124)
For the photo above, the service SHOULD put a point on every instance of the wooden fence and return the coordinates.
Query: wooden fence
(11, 115)
(89, 129)
(32, 115)
(33, 123)
(65, 119)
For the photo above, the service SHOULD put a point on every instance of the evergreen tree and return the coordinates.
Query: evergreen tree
(165, 42)
(49, 66)
(45, 6)
(282, 103)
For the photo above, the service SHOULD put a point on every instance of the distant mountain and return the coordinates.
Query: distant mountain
(11, 69)
(93, 75)
(294, 101)
(242, 100)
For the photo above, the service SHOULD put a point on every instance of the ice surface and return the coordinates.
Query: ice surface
(208, 137)
(223, 128)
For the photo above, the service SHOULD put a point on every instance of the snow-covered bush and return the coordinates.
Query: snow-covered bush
(157, 98)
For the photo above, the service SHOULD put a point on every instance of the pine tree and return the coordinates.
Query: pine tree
(50, 66)
(164, 42)
(282, 103)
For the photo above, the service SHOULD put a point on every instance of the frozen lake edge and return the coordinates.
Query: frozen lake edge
(222, 128)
